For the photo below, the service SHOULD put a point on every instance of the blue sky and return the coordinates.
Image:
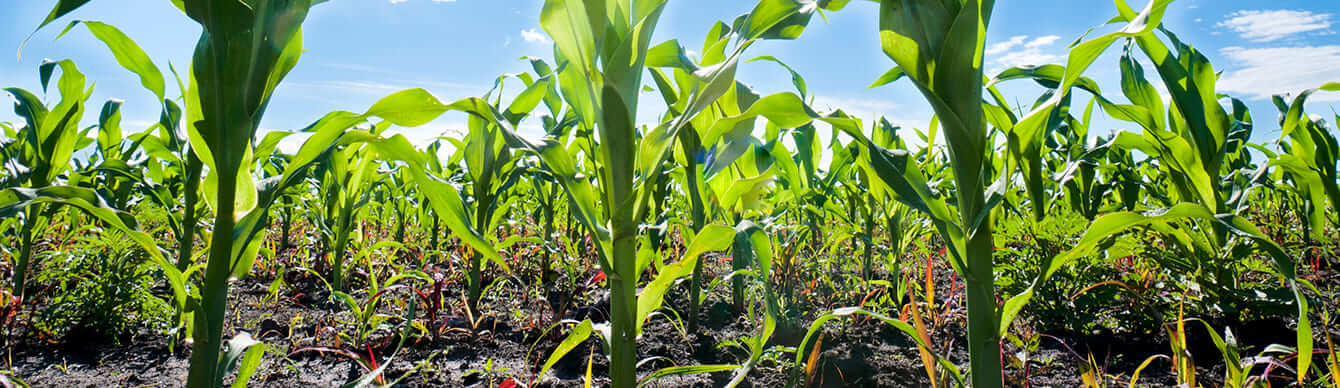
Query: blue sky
(360, 50)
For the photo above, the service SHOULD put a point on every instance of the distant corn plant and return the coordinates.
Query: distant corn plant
(1197, 141)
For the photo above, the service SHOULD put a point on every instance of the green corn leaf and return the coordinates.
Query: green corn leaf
(269, 143)
(408, 108)
(1311, 184)
(527, 100)
(904, 178)
(796, 79)
(777, 19)
(237, 346)
(127, 53)
(670, 53)
(685, 370)
(251, 360)
(62, 7)
(579, 334)
(891, 76)
(802, 351)
(109, 129)
(568, 24)
(1115, 223)
(711, 238)
(13, 200)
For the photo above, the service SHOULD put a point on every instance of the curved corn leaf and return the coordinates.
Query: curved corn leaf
(1115, 223)
(579, 334)
(711, 238)
(904, 327)
(127, 53)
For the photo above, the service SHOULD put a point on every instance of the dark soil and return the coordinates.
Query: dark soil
(511, 341)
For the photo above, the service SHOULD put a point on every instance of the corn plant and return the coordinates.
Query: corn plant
(492, 170)
(602, 47)
(1310, 157)
(349, 175)
(1198, 141)
(245, 49)
(44, 147)
(938, 46)
(180, 174)
(46, 144)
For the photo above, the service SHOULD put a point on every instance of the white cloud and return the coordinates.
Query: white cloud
(377, 88)
(868, 110)
(1262, 72)
(1042, 41)
(861, 108)
(534, 36)
(1006, 45)
(1272, 25)
(1020, 51)
(420, 136)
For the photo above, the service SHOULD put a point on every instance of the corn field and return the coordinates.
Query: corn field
(737, 238)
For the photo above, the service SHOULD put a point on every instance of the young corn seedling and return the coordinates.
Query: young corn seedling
(1309, 158)
(493, 170)
(347, 182)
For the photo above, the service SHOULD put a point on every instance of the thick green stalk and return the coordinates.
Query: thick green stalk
(618, 134)
(699, 218)
(286, 225)
(474, 260)
(26, 251)
(547, 257)
(473, 272)
(979, 278)
(623, 303)
(209, 316)
(740, 258)
(868, 257)
(957, 88)
(432, 240)
(983, 322)
(186, 241)
(341, 242)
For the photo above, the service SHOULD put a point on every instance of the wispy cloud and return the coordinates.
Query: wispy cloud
(862, 108)
(1021, 50)
(1002, 47)
(869, 110)
(376, 88)
(534, 36)
(1272, 25)
(1263, 72)
(1042, 41)
(420, 136)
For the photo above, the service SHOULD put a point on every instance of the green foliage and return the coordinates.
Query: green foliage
(102, 291)
(812, 209)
